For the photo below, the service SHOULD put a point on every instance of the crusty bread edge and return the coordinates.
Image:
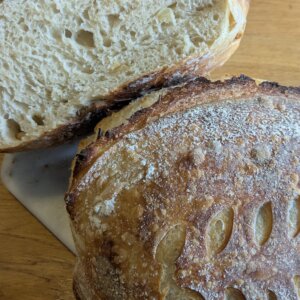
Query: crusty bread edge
(250, 87)
(187, 69)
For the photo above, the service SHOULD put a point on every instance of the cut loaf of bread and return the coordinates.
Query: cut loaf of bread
(196, 196)
(63, 62)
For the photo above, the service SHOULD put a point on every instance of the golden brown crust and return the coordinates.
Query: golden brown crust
(163, 77)
(195, 197)
(245, 86)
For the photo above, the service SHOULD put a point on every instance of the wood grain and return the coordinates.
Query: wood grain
(270, 48)
(34, 265)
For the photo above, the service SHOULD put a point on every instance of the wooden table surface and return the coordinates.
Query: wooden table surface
(34, 265)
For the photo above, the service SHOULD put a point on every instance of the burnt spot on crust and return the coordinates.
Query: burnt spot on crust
(100, 133)
(138, 88)
(82, 159)
(109, 134)
(274, 86)
(149, 83)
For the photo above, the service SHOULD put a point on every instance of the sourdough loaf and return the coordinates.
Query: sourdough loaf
(63, 62)
(195, 196)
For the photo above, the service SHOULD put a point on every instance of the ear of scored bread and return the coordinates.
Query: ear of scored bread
(192, 192)
(66, 63)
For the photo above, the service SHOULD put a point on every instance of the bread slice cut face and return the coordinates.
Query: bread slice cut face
(63, 62)
(196, 196)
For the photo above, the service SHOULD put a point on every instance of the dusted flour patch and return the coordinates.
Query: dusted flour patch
(105, 207)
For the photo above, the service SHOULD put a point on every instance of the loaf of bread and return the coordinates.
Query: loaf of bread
(191, 192)
(63, 62)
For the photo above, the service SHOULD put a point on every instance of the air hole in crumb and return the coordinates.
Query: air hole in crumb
(54, 8)
(87, 69)
(68, 33)
(25, 28)
(5, 65)
(123, 45)
(15, 129)
(146, 38)
(86, 14)
(113, 19)
(129, 72)
(271, 295)
(56, 35)
(38, 119)
(48, 94)
(79, 21)
(179, 50)
(216, 17)
(210, 42)
(294, 217)
(196, 40)
(133, 35)
(263, 223)
(6, 116)
(85, 38)
(173, 6)
(219, 231)
(107, 42)
(23, 106)
(234, 294)
(122, 29)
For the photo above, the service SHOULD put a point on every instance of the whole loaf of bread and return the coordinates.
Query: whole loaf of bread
(191, 192)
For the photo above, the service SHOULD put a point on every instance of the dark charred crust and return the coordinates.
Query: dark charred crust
(109, 134)
(80, 159)
(242, 79)
(83, 158)
(149, 83)
(274, 86)
(100, 133)
(83, 124)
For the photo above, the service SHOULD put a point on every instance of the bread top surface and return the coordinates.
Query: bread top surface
(64, 62)
(196, 196)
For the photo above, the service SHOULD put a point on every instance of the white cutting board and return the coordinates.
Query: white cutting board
(39, 179)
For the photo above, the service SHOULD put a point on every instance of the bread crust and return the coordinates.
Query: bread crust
(187, 69)
(217, 90)
(246, 263)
